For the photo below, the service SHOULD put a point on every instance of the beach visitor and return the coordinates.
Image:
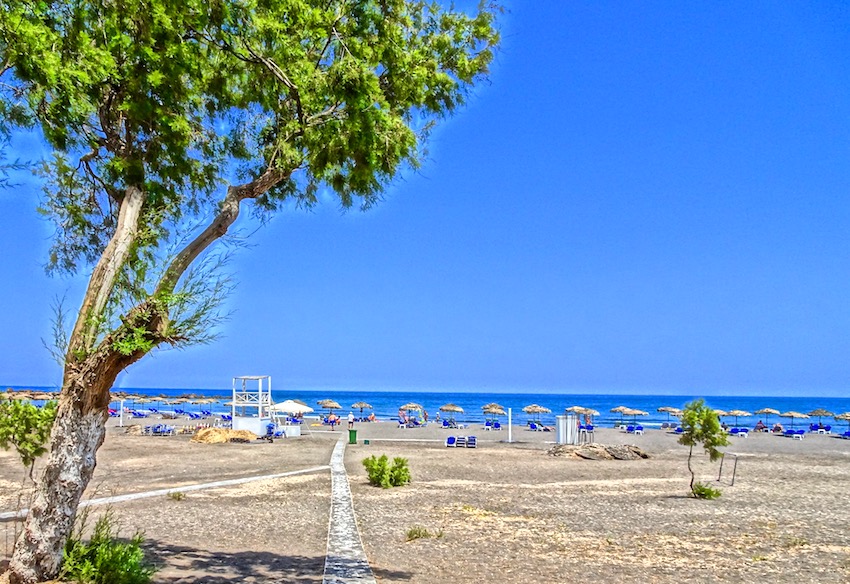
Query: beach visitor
(372, 417)
(350, 420)
(777, 428)
(332, 419)
(760, 426)
(425, 416)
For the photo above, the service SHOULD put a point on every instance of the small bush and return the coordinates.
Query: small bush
(176, 495)
(105, 559)
(381, 474)
(419, 532)
(703, 491)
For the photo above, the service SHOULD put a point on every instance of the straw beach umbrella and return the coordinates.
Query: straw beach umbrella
(451, 409)
(820, 413)
(620, 410)
(670, 410)
(845, 417)
(412, 407)
(493, 410)
(738, 413)
(362, 405)
(536, 410)
(583, 411)
(634, 413)
(793, 415)
(766, 413)
(329, 404)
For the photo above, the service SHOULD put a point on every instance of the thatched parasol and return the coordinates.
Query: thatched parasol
(766, 412)
(329, 404)
(452, 409)
(493, 410)
(535, 410)
(670, 410)
(845, 416)
(634, 413)
(620, 410)
(820, 413)
(362, 405)
(793, 415)
(721, 413)
(738, 413)
(411, 407)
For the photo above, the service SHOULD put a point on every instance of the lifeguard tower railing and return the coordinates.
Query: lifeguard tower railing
(251, 404)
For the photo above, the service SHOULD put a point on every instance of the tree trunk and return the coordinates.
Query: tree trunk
(691, 470)
(77, 433)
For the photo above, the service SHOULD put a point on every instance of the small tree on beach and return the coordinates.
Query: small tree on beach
(164, 119)
(26, 428)
(701, 426)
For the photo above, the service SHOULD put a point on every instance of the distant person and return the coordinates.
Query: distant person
(372, 417)
(350, 420)
(777, 428)
(425, 416)
(760, 426)
(332, 419)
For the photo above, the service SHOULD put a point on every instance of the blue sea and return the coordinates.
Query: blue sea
(386, 403)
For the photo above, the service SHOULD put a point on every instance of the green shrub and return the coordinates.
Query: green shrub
(703, 491)
(381, 474)
(26, 428)
(419, 532)
(105, 559)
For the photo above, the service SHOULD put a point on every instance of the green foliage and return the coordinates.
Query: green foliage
(105, 559)
(419, 532)
(26, 428)
(176, 495)
(701, 426)
(704, 491)
(382, 474)
(182, 99)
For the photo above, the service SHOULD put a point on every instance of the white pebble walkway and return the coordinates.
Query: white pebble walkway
(345, 562)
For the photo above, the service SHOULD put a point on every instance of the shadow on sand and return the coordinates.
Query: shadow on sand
(182, 564)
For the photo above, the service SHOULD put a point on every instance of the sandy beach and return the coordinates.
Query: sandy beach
(506, 512)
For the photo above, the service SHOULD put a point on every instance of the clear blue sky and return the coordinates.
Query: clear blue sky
(646, 197)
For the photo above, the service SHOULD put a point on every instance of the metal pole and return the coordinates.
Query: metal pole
(734, 470)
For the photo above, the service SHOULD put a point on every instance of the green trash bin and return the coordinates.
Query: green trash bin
(352, 436)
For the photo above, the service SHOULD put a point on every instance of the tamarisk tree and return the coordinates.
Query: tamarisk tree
(165, 120)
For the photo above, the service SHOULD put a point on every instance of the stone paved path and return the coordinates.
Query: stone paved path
(346, 561)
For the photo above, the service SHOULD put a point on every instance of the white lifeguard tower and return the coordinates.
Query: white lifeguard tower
(251, 404)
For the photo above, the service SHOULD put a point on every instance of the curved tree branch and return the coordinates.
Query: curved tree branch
(218, 227)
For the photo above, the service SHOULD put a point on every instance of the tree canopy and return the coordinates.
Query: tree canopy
(181, 99)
